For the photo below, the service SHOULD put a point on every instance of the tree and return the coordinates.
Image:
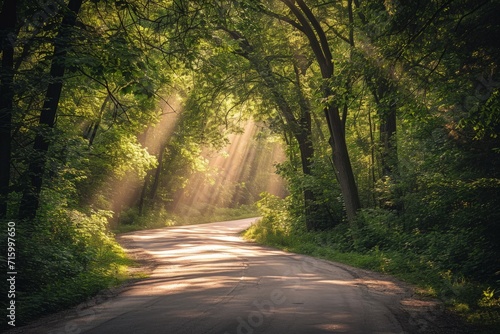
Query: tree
(299, 126)
(30, 200)
(379, 75)
(306, 22)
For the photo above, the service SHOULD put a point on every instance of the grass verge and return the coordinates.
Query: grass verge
(110, 270)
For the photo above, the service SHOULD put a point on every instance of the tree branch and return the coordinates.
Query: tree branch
(324, 61)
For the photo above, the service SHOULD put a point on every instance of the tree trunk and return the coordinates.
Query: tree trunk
(383, 92)
(30, 200)
(388, 141)
(8, 20)
(97, 123)
(312, 210)
(301, 131)
(342, 164)
(300, 128)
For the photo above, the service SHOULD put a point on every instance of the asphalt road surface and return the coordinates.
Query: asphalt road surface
(206, 279)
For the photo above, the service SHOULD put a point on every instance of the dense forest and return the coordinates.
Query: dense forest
(363, 128)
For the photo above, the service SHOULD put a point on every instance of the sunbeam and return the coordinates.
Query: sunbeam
(237, 174)
(126, 190)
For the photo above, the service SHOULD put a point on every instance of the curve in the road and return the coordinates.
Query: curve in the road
(208, 280)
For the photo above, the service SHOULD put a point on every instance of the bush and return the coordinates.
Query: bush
(66, 256)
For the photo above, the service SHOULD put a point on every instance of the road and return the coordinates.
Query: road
(207, 279)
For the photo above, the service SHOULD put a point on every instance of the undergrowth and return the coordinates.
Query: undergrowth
(64, 258)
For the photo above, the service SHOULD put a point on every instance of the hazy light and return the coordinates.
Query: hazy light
(237, 174)
(126, 190)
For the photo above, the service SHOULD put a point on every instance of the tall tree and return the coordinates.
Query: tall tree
(384, 93)
(30, 200)
(306, 22)
(379, 76)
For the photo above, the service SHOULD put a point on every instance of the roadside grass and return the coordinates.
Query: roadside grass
(64, 257)
(107, 271)
(132, 221)
(478, 304)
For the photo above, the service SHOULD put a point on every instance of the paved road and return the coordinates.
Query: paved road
(208, 280)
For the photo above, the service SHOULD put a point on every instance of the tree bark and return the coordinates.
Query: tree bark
(30, 200)
(342, 164)
(8, 20)
(388, 141)
(302, 132)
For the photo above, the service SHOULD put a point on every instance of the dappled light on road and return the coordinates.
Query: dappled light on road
(208, 280)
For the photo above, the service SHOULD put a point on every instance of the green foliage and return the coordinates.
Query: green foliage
(121, 153)
(328, 200)
(70, 255)
(131, 220)
(279, 212)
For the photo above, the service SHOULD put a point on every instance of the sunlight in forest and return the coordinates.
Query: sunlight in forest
(127, 188)
(235, 174)
(382, 119)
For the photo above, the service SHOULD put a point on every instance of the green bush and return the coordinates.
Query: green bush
(65, 256)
